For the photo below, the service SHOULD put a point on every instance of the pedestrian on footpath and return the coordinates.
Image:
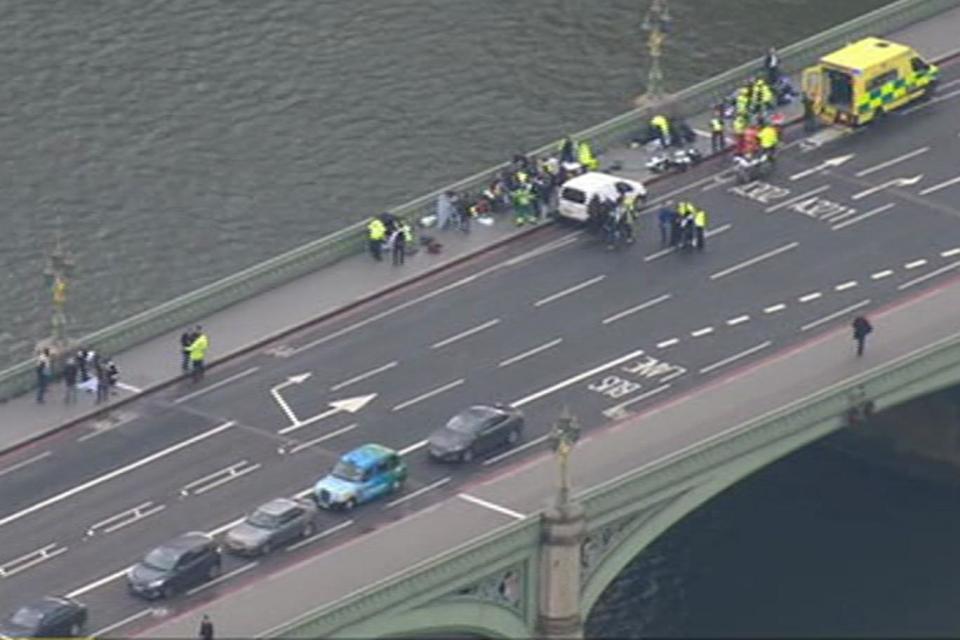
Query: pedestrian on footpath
(198, 354)
(206, 628)
(376, 234)
(103, 382)
(718, 141)
(44, 373)
(861, 329)
(186, 339)
(771, 64)
(398, 243)
(70, 373)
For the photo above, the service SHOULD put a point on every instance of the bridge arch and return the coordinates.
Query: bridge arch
(442, 618)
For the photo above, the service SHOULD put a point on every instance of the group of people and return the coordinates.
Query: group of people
(193, 351)
(86, 370)
(392, 233)
(614, 218)
(682, 225)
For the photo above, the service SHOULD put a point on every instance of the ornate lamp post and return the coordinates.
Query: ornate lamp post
(57, 273)
(656, 22)
(565, 433)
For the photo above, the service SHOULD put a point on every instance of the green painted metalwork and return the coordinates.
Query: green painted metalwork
(478, 618)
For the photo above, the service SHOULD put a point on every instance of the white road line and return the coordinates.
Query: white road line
(834, 315)
(915, 264)
(669, 250)
(880, 275)
(533, 253)
(862, 216)
(129, 387)
(428, 394)
(115, 473)
(24, 463)
(226, 526)
(216, 385)
(566, 292)
(116, 625)
(668, 343)
(701, 332)
(927, 276)
(531, 352)
(810, 297)
(226, 576)
(319, 536)
(231, 473)
(413, 447)
(732, 322)
(843, 286)
(938, 187)
(99, 582)
(492, 506)
(575, 379)
(620, 408)
(510, 452)
(949, 253)
(27, 560)
(329, 436)
(363, 376)
(891, 162)
(419, 492)
(639, 307)
(735, 357)
(802, 196)
(752, 261)
(466, 334)
(126, 517)
(930, 102)
(775, 308)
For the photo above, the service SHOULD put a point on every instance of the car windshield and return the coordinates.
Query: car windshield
(26, 617)
(264, 520)
(161, 558)
(348, 471)
(574, 195)
(469, 421)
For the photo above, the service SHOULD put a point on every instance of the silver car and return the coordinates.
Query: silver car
(272, 525)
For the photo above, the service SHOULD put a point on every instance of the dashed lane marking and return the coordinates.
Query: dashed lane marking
(843, 286)
(510, 452)
(413, 447)
(216, 385)
(949, 253)
(466, 334)
(775, 308)
(927, 276)
(835, 315)
(667, 343)
(570, 290)
(915, 264)
(419, 492)
(574, 379)
(732, 322)
(701, 332)
(665, 252)
(861, 217)
(639, 307)
(531, 352)
(224, 577)
(735, 357)
(319, 536)
(938, 187)
(810, 297)
(129, 387)
(880, 275)
(802, 196)
(297, 448)
(363, 376)
(892, 161)
(428, 394)
(754, 260)
(24, 463)
(492, 506)
(116, 625)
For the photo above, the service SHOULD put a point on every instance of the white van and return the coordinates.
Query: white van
(577, 192)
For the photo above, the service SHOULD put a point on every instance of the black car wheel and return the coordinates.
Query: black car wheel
(467, 455)
(266, 548)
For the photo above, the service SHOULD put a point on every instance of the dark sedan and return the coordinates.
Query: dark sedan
(47, 618)
(183, 562)
(474, 431)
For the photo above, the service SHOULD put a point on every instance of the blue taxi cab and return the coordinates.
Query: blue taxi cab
(361, 475)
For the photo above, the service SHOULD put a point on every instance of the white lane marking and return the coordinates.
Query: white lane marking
(351, 405)
(949, 253)
(938, 187)
(843, 286)
(802, 196)
(737, 356)
(24, 463)
(569, 290)
(216, 385)
(533, 253)
(125, 518)
(775, 308)
(428, 394)
(863, 216)
(115, 473)
(413, 447)
(732, 322)
(516, 404)
(129, 387)
(834, 315)
(669, 250)
(27, 560)
(523, 447)
(896, 183)
(892, 161)
(213, 480)
(226, 526)
(930, 102)
(701, 332)
(531, 352)
(226, 576)
(319, 536)
(617, 410)
(925, 277)
(363, 376)
(639, 307)
(419, 492)
(915, 264)
(668, 343)
(329, 436)
(810, 297)
(465, 334)
(116, 625)
(831, 163)
(492, 506)
(754, 260)
(880, 275)
(99, 582)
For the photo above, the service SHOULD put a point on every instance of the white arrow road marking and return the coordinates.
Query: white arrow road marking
(350, 405)
(275, 392)
(826, 164)
(896, 182)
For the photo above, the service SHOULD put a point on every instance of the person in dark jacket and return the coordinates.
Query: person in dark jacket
(861, 329)
(70, 374)
(206, 628)
(186, 339)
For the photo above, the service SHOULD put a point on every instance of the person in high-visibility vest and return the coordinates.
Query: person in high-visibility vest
(198, 353)
(376, 234)
(769, 139)
(586, 158)
(743, 100)
(739, 129)
(523, 206)
(700, 229)
(717, 138)
(661, 128)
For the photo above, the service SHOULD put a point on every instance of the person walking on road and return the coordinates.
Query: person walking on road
(665, 222)
(198, 354)
(206, 628)
(700, 229)
(718, 141)
(70, 373)
(861, 329)
(44, 373)
(186, 339)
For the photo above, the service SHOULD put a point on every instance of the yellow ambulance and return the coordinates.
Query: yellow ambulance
(867, 79)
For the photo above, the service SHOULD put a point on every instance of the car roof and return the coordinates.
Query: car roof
(47, 605)
(482, 411)
(367, 455)
(277, 506)
(188, 541)
(865, 53)
(594, 180)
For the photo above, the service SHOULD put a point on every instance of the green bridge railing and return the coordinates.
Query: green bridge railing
(202, 302)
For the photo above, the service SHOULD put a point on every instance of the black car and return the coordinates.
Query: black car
(47, 618)
(183, 562)
(476, 430)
